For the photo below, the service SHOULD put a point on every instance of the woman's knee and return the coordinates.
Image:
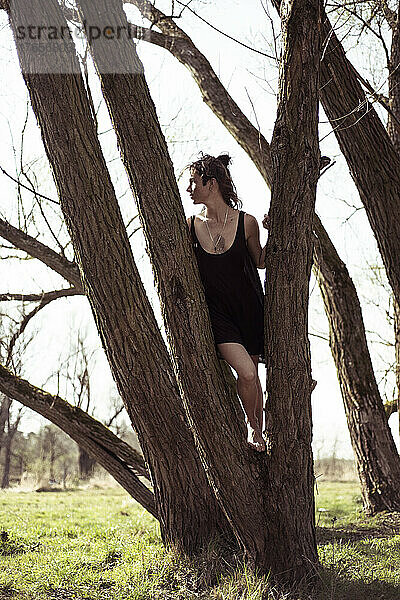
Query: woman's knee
(247, 374)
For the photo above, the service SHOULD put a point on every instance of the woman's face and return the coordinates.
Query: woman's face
(198, 192)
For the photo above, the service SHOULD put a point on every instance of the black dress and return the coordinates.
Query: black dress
(233, 291)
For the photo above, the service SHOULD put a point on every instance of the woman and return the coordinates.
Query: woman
(227, 246)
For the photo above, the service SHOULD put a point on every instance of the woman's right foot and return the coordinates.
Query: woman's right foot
(255, 439)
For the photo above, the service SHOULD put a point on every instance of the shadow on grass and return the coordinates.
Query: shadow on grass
(384, 525)
(336, 586)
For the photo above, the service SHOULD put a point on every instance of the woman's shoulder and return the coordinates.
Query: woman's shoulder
(250, 225)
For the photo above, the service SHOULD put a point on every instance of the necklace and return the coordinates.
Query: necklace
(219, 245)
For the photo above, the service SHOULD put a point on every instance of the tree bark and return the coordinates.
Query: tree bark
(378, 462)
(129, 332)
(295, 159)
(4, 412)
(393, 127)
(117, 457)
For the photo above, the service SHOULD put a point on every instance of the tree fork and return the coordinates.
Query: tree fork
(251, 503)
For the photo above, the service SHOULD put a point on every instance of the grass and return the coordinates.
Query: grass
(99, 544)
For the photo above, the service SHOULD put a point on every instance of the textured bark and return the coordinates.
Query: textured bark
(367, 148)
(295, 158)
(117, 457)
(378, 462)
(214, 413)
(129, 332)
(176, 41)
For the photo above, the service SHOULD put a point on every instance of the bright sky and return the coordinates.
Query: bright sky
(190, 127)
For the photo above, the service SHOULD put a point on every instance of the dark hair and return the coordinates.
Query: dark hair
(209, 167)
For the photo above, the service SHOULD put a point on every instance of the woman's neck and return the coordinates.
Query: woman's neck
(216, 212)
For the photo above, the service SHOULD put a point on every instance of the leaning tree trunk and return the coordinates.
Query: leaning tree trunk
(176, 41)
(378, 462)
(129, 332)
(117, 457)
(393, 128)
(372, 159)
(295, 159)
(249, 503)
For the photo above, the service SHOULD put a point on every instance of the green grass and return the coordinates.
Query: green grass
(99, 544)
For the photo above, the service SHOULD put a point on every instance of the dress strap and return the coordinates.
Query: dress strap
(193, 232)
(242, 233)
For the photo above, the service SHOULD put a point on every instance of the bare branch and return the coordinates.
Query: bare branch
(44, 296)
(45, 300)
(64, 267)
(33, 191)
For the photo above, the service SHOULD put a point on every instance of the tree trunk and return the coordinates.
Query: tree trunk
(397, 353)
(5, 482)
(129, 332)
(86, 464)
(117, 457)
(4, 414)
(295, 159)
(52, 455)
(367, 148)
(378, 462)
(393, 129)
(213, 419)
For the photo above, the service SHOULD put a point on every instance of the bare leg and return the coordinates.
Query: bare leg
(238, 357)
(260, 402)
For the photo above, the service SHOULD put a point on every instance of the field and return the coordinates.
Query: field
(99, 544)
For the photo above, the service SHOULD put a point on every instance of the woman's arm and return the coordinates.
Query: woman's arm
(252, 234)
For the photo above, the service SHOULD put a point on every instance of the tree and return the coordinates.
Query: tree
(256, 546)
(361, 397)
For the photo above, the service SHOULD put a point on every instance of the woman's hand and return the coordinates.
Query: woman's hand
(265, 222)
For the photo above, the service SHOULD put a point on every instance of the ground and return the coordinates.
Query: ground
(98, 544)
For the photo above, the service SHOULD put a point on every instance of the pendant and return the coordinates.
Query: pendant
(219, 246)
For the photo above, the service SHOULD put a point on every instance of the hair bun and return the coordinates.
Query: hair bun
(225, 159)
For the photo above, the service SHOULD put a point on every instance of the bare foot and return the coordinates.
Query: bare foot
(255, 439)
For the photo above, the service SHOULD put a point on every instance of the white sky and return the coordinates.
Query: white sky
(190, 127)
